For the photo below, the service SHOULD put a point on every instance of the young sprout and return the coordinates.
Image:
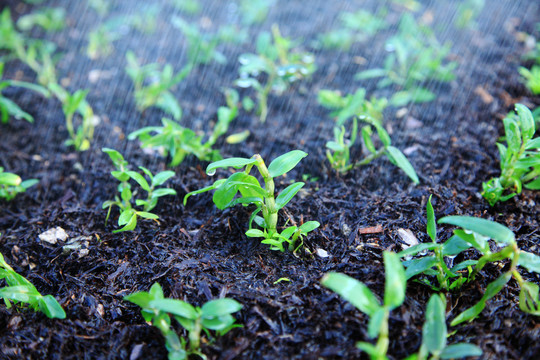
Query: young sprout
(267, 204)
(100, 39)
(520, 158)
(416, 57)
(177, 142)
(152, 85)
(7, 107)
(128, 214)
(532, 78)
(215, 315)
(48, 18)
(11, 184)
(280, 66)
(345, 107)
(20, 290)
(358, 294)
(72, 104)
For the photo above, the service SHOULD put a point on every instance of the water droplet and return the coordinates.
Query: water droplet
(211, 172)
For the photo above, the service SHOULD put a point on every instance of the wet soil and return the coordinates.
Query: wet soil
(197, 252)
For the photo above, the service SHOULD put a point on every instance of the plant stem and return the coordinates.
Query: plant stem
(382, 341)
(370, 157)
(269, 208)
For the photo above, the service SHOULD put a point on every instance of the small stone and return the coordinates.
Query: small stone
(322, 253)
(53, 235)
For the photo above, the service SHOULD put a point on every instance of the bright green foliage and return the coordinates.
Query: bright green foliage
(202, 47)
(36, 54)
(48, 18)
(72, 104)
(355, 27)
(520, 158)
(214, 315)
(251, 192)
(128, 214)
(532, 78)
(364, 300)
(416, 58)
(280, 65)
(20, 290)
(345, 107)
(254, 11)
(476, 232)
(12, 184)
(152, 85)
(338, 150)
(434, 334)
(177, 142)
(7, 107)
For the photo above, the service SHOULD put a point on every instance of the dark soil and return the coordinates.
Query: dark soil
(198, 252)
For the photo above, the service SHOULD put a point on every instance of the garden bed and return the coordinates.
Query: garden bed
(198, 253)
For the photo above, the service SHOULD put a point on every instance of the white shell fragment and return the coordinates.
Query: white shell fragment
(322, 253)
(53, 235)
(407, 237)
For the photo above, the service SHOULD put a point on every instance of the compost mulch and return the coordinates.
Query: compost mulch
(198, 253)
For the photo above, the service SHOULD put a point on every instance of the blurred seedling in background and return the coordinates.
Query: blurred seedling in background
(415, 58)
(215, 315)
(8, 108)
(251, 192)
(128, 214)
(254, 11)
(355, 27)
(467, 13)
(21, 291)
(519, 158)
(102, 7)
(531, 78)
(48, 18)
(191, 7)
(81, 136)
(202, 46)
(36, 54)
(101, 39)
(152, 85)
(477, 232)
(12, 184)
(176, 142)
(281, 67)
(359, 295)
(435, 333)
(350, 105)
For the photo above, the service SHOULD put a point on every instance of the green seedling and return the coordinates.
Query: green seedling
(20, 290)
(191, 7)
(520, 158)
(355, 27)
(128, 214)
(48, 18)
(338, 150)
(102, 7)
(7, 107)
(468, 11)
(435, 333)
(12, 184)
(434, 264)
(73, 104)
(531, 78)
(359, 295)
(202, 47)
(177, 142)
(416, 57)
(280, 66)
(251, 192)
(254, 11)
(152, 85)
(477, 232)
(345, 107)
(214, 315)
(101, 39)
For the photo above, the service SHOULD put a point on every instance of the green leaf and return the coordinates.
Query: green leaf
(309, 226)
(161, 177)
(528, 298)
(434, 331)
(529, 261)
(220, 307)
(513, 135)
(369, 74)
(51, 308)
(10, 179)
(287, 194)
(461, 350)
(215, 185)
(454, 246)
(255, 233)
(285, 163)
(375, 322)
(394, 289)
(147, 215)
(533, 144)
(526, 121)
(431, 227)
(401, 161)
(491, 290)
(175, 307)
(168, 103)
(163, 192)
(413, 250)
(491, 229)
(418, 266)
(353, 291)
(371, 350)
(236, 163)
(139, 179)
